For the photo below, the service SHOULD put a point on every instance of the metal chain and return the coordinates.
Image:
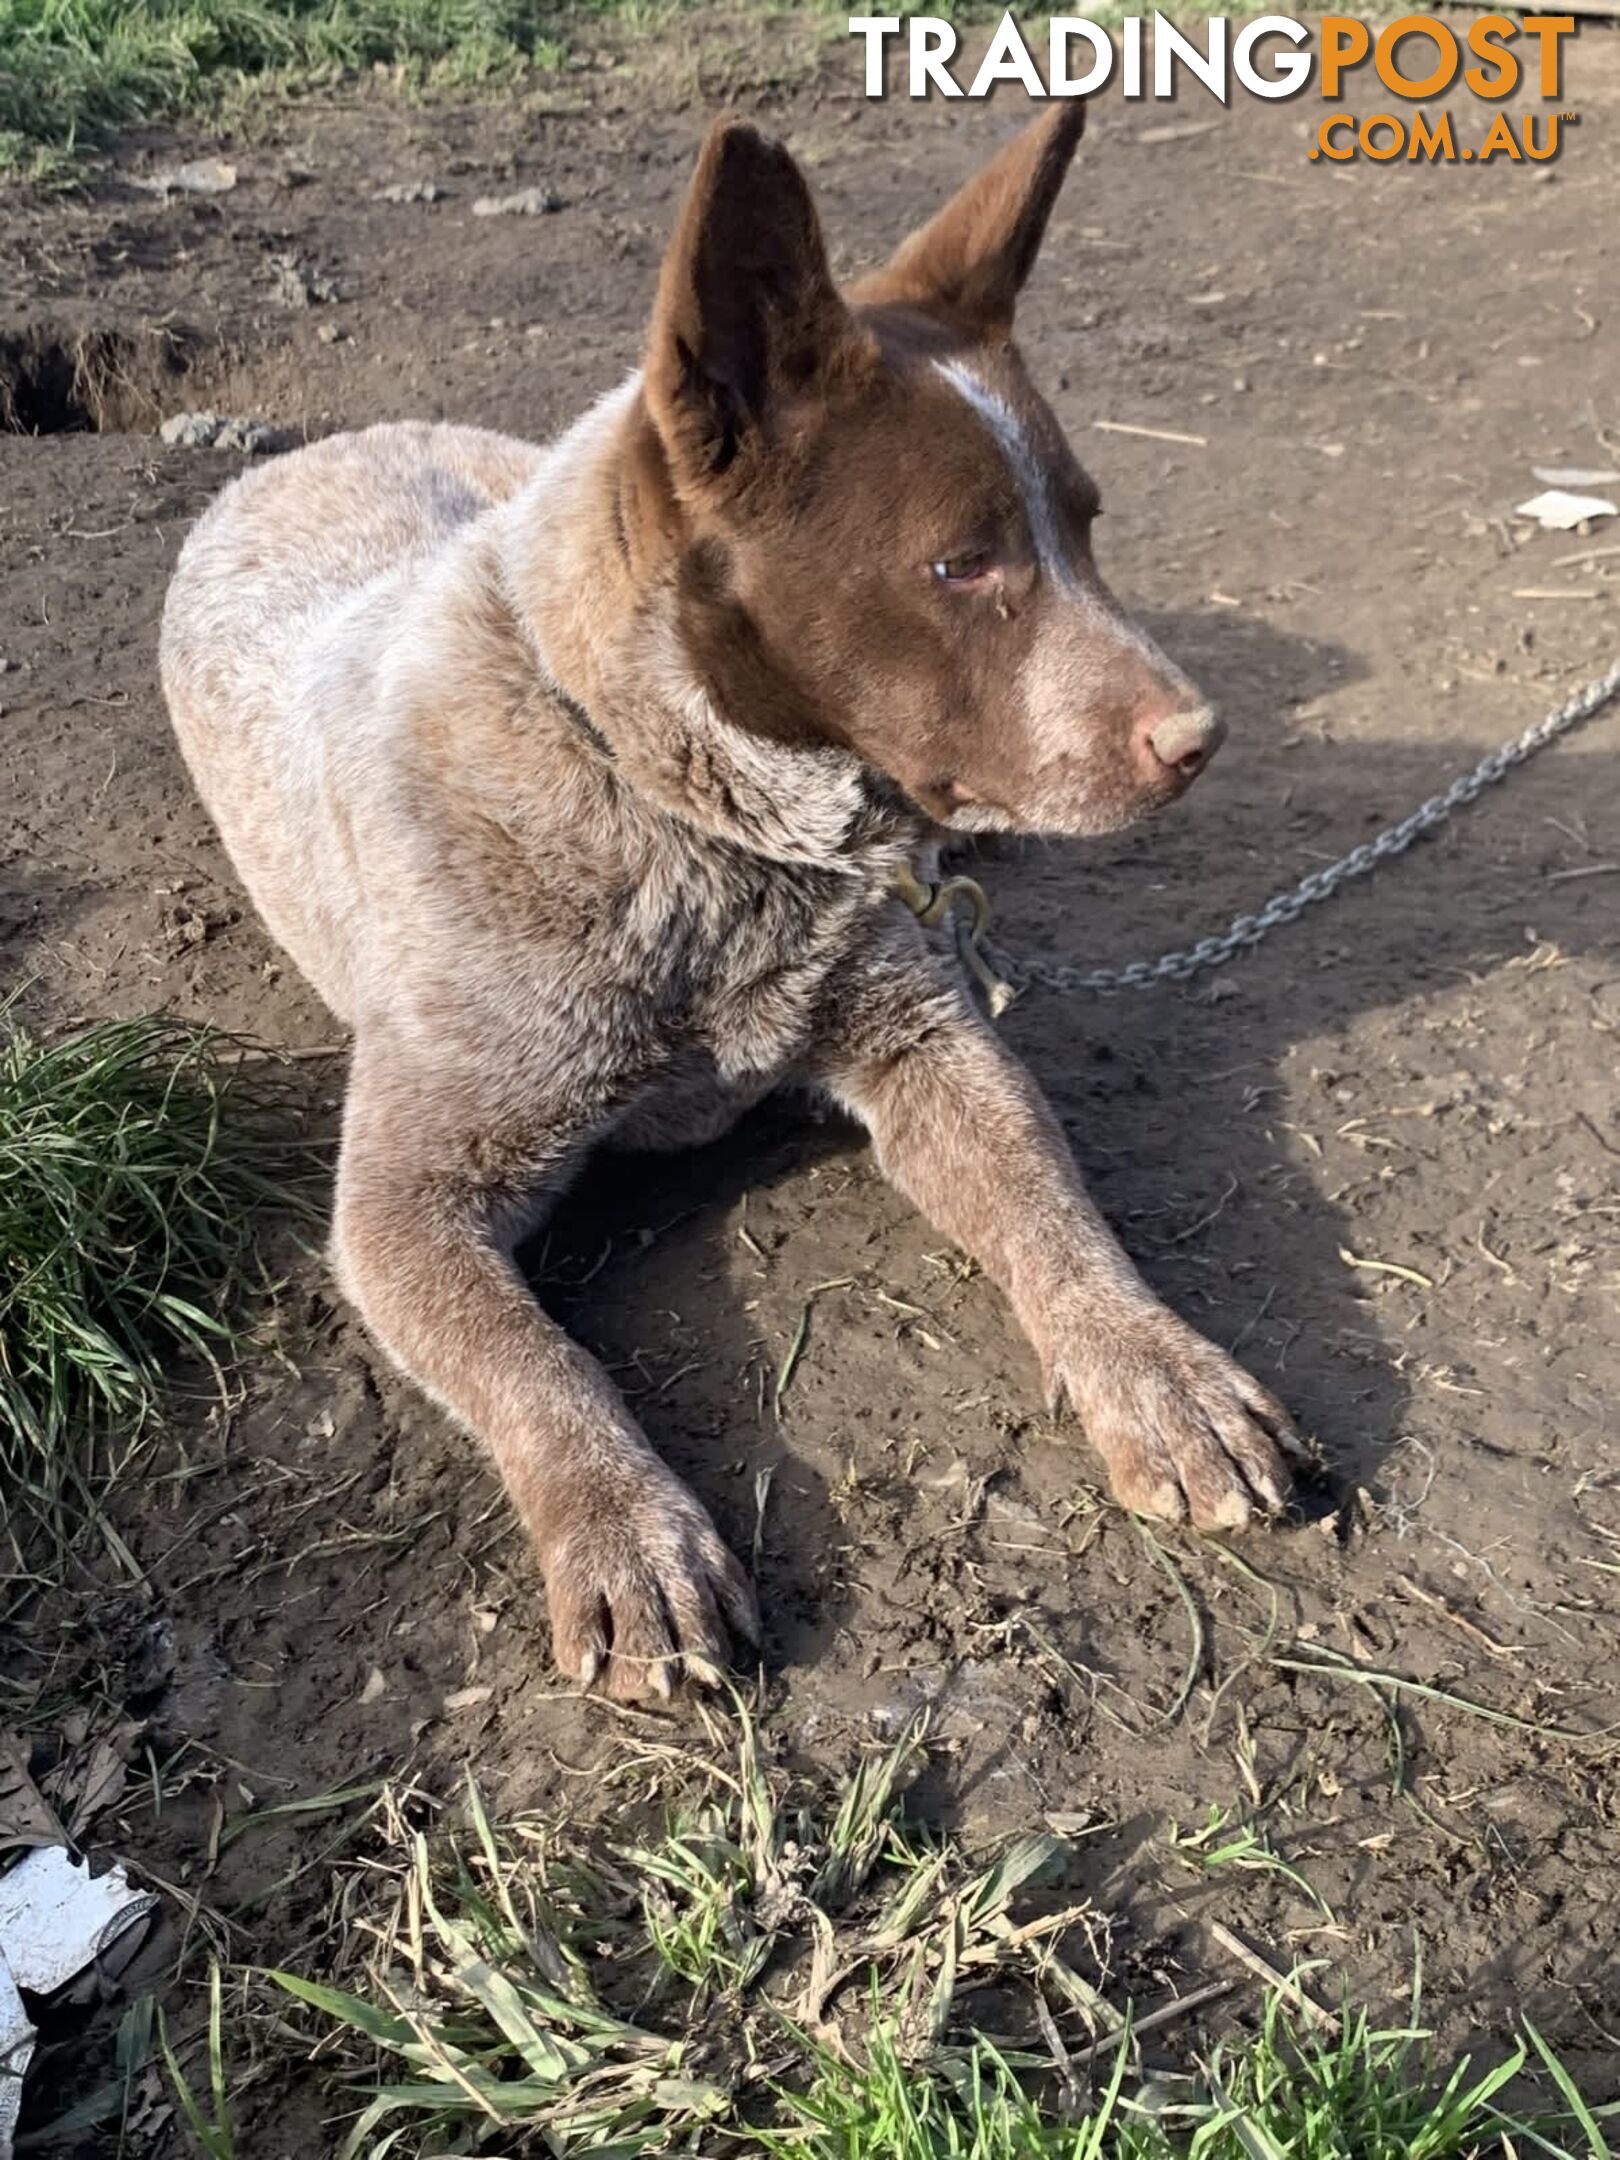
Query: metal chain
(1283, 907)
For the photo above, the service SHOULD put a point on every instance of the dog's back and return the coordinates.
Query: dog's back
(295, 586)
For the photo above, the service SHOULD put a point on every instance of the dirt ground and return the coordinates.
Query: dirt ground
(1422, 1076)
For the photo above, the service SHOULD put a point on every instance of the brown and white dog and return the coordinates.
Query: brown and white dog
(578, 781)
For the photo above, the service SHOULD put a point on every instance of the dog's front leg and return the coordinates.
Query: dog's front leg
(961, 1128)
(642, 1590)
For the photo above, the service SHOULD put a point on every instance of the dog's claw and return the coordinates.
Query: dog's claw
(644, 1595)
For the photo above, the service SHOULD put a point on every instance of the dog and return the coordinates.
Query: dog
(585, 783)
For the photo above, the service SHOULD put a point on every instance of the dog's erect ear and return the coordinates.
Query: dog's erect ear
(747, 317)
(971, 259)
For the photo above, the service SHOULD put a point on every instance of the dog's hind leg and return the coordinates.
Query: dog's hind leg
(642, 1590)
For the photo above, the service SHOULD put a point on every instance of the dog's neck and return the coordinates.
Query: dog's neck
(602, 629)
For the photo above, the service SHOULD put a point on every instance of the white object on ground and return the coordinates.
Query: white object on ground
(527, 202)
(1559, 511)
(16, 2052)
(1576, 476)
(218, 431)
(202, 176)
(56, 1918)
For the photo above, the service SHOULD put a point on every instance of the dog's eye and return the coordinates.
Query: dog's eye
(961, 569)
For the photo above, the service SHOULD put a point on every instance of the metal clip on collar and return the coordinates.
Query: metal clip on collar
(933, 904)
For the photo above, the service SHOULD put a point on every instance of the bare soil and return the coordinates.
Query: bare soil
(1381, 1155)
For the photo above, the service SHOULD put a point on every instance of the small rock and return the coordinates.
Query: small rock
(217, 431)
(526, 202)
(331, 333)
(202, 176)
(412, 191)
(299, 286)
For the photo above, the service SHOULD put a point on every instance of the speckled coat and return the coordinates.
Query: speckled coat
(577, 779)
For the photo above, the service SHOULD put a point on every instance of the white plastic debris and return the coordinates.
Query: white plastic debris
(16, 2052)
(1559, 511)
(56, 1918)
(1576, 476)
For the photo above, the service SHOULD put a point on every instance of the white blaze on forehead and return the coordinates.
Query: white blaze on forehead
(1028, 470)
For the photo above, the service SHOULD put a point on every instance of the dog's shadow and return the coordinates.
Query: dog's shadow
(770, 1392)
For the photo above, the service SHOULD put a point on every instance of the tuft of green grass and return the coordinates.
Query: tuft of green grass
(1225, 1840)
(1369, 2095)
(982, 2110)
(696, 1882)
(210, 2126)
(802, 1975)
(136, 1162)
(74, 71)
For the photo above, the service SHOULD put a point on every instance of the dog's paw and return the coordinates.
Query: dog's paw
(643, 1592)
(1187, 1435)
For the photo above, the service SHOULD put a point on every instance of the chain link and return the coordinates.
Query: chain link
(1283, 907)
